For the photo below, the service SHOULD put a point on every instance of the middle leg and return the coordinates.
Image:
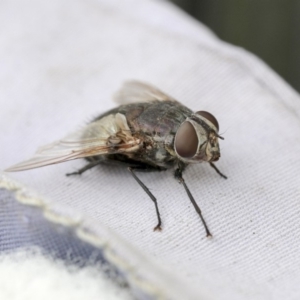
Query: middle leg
(142, 185)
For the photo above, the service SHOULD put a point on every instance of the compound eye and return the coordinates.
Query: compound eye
(209, 117)
(186, 140)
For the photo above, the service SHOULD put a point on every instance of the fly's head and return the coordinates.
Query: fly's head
(196, 139)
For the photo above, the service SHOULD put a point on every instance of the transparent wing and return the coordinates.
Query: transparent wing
(110, 134)
(136, 91)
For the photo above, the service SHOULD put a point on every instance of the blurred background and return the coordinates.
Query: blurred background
(268, 28)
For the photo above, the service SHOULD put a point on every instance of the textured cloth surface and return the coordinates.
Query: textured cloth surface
(60, 63)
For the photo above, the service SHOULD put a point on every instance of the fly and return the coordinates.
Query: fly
(149, 132)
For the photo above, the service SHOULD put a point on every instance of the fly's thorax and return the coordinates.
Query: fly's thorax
(196, 139)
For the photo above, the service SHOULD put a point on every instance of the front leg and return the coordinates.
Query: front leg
(217, 170)
(178, 176)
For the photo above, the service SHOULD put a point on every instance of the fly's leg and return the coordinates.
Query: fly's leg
(90, 165)
(178, 176)
(217, 170)
(142, 185)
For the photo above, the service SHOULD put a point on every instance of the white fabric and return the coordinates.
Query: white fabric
(60, 62)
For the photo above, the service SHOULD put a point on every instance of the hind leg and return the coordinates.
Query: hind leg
(90, 165)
